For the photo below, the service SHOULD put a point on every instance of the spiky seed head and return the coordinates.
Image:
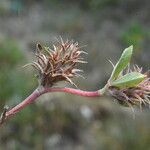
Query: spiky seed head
(59, 63)
(138, 95)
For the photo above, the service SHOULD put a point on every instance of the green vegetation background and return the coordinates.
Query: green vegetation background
(62, 121)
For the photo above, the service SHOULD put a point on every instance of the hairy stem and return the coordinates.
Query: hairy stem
(40, 91)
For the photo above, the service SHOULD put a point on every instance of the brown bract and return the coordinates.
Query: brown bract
(59, 63)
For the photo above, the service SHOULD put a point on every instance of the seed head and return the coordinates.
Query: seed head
(138, 95)
(59, 63)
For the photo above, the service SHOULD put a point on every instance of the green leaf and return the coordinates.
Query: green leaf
(122, 63)
(129, 80)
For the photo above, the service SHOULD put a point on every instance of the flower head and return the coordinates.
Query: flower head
(59, 63)
(134, 95)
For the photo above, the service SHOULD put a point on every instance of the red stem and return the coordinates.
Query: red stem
(25, 102)
(41, 91)
(72, 91)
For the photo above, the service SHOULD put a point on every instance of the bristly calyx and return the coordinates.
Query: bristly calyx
(59, 63)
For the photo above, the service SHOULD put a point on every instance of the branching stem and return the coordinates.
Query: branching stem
(40, 91)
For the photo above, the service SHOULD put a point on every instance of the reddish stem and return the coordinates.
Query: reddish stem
(25, 102)
(72, 91)
(41, 91)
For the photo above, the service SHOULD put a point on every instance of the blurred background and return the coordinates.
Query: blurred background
(62, 121)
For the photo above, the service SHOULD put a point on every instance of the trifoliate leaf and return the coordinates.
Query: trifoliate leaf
(122, 63)
(129, 80)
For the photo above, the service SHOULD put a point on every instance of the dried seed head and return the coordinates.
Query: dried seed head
(59, 63)
(138, 95)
